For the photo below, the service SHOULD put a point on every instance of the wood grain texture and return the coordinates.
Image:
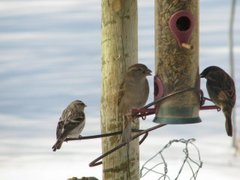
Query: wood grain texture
(119, 51)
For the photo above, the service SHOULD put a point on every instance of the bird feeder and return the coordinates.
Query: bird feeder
(177, 66)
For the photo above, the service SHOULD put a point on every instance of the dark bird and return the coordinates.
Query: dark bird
(71, 123)
(221, 90)
(133, 93)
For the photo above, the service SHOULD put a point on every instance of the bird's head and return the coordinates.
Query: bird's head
(210, 72)
(80, 104)
(139, 70)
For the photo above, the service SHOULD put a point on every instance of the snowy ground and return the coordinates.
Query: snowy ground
(50, 55)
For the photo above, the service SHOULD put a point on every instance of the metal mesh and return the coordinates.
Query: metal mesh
(158, 166)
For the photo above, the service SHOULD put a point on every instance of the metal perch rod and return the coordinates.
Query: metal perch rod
(99, 135)
(97, 161)
(141, 113)
(145, 111)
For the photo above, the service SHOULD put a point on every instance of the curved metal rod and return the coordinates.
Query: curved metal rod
(97, 161)
(145, 111)
(143, 138)
(94, 136)
(169, 95)
(100, 135)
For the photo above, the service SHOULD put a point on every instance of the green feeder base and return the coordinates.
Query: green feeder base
(176, 120)
(177, 115)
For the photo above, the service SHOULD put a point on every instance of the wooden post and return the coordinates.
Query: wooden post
(119, 51)
(176, 53)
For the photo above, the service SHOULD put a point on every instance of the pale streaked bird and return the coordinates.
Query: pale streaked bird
(71, 123)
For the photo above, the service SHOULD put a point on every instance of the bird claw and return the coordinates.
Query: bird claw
(143, 112)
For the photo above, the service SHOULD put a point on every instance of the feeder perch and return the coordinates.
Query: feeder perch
(177, 70)
(158, 88)
(181, 25)
(202, 102)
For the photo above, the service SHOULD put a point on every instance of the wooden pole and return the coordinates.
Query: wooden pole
(119, 51)
(176, 57)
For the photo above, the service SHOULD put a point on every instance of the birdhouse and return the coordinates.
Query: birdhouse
(177, 66)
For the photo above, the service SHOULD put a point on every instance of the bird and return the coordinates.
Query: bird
(71, 123)
(221, 90)
(133, 93)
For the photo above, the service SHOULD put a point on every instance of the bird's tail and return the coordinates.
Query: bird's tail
(127, 133)
(126, 138)
(57, 145)
(228, 122)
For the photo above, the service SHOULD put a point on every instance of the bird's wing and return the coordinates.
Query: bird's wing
(230, 90)
(214, 84)
(224, 88)
(71, 120)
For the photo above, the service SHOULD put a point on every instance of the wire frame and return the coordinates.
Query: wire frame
(158, 166)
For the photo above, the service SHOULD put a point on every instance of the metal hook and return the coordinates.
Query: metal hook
(97, 161)
(203, 100)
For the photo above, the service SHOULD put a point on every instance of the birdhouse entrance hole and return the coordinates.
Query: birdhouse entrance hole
(183, 23)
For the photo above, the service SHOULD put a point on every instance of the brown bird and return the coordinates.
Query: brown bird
(133, 93)
(221, 90)
(71, 123)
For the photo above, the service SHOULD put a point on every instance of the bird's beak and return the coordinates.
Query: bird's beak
(149, 72)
